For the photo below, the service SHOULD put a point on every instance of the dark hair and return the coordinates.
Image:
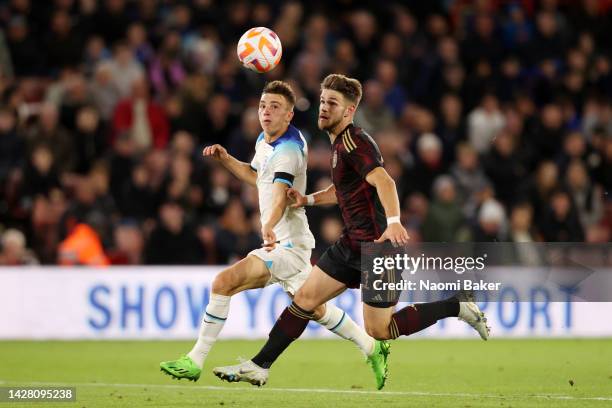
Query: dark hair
(280, 88)
(350, 88)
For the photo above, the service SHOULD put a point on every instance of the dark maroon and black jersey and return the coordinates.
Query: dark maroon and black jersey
(354, 155)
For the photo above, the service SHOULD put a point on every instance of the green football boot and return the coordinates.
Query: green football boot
(378, 362)
(184, 367)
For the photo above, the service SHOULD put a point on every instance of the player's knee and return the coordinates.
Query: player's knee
(378, 332)
(305, 299)
(319, 312)
(224, 284)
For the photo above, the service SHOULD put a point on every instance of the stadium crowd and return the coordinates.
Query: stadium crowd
(494, 118)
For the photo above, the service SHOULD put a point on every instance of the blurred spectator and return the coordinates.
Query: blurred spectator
(414, 211)
(451, 124)
(331, 229)
(547, 42)
(395, 97)
(104, 91)
(428, 167)
(183, 144)
(574, 149)
(491, 225)
(50, 132)
(179, 182)
(14, 251)
(166, 70)
(479, 84)
(602, 163)
(12, 148)
(547, 136)
(125, 69)
(64, 44)
(444, 217)
(111, 20)
(587, 197)
(541, 187)
(522, 234)
(344, 61)
(469, 178)
(82, 246)
(187, 109)
(484, 123)
(25, 52)
(242, 141)
(482, 43)
(144, 120)
(40, 175)
(128, 244)
(560, 222)
(89, 139)
(173, 242)
(504, 167)
(136, 197)
(6, 64)
(521, 224)
(139, 44)
(235, 237)
(218, 120)
(46, 214)
(75, 96)
(373, 114)
(510, 81)
(517, 30)
(95, 52)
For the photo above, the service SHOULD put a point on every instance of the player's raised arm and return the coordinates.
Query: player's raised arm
(241, 170)
(323, 197)
(387, 193)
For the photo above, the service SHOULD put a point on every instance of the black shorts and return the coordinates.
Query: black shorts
(344, 265)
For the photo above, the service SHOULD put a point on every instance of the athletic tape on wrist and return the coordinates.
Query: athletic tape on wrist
(392, 220)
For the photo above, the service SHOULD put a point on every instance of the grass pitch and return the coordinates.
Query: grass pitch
(323, 373)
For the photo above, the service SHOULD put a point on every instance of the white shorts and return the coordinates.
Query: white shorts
(288, 267)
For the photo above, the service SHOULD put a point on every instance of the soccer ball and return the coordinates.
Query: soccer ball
(259, 49)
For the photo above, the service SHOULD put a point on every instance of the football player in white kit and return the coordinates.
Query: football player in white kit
(280, 160)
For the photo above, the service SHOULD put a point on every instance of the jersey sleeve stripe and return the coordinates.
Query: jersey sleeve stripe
(280, 180)
(347, 146)
(350, 140)
(284, 175)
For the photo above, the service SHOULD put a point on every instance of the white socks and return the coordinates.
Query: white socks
(338, 322)
(212, 323)
(335, 320)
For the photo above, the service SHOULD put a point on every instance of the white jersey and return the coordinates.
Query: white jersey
(284, 160)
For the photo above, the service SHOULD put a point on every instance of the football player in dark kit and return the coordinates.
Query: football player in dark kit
(370, 210)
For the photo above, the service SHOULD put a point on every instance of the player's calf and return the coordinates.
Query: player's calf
(379, 332)
(377, 319)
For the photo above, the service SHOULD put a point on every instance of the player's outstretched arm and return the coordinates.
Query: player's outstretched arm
(241, 170)
(385, 187)
(323, 197)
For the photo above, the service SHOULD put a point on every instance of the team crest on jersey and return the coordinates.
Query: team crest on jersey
(334, 159)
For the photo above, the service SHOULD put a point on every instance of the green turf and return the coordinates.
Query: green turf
(424, 373)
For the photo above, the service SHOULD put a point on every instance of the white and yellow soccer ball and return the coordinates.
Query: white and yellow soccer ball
(260, 49)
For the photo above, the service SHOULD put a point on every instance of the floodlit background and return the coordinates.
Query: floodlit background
(493, 117)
